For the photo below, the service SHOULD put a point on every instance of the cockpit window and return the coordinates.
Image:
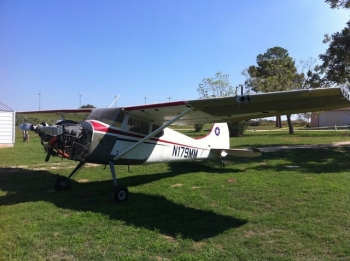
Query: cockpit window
(110, 116)
(139, 126)
(154, 127)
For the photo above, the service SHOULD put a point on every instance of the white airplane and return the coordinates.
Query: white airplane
(140, 134)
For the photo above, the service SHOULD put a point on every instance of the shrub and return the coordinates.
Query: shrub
(237, 128)
(198, 127)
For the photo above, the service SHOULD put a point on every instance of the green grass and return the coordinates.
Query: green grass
(286, 205)
(276, 138)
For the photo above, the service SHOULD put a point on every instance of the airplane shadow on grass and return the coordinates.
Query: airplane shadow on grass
(152, 212)
(326, 160)
(155, 212)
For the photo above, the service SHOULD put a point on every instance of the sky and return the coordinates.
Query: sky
(62, 54)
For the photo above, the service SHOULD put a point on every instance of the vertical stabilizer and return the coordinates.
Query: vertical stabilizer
(218, 138)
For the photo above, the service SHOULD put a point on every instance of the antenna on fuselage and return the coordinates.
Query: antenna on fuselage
(114, 101)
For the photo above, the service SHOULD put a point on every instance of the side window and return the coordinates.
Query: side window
(154, 127)
(138, 126)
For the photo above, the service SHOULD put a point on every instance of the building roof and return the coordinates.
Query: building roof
(3, 107)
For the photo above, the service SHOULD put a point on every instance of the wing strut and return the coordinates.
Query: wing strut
(152, 134)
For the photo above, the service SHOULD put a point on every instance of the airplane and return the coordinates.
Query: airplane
(135, 135)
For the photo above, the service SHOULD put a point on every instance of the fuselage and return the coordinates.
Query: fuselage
(112, 135)
(108, 142)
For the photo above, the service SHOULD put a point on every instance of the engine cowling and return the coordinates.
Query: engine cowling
(65, 139)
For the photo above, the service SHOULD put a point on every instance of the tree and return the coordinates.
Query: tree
(335, 67)
(275, 71)
(336, 60)
(220, 86)
(88, 106)
(309, 69)
(339, 3)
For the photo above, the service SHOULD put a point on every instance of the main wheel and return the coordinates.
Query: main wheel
(120, 193)
(62, 183)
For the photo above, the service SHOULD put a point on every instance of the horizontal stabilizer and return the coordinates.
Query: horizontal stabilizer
(247, 153)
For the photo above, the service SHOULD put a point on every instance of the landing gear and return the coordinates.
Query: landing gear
(62, 183)
(223, 162)
(120, 193)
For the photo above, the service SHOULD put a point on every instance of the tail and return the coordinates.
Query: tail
(218, 138)
(219, 142)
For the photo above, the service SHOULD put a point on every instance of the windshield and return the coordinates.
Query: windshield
(110, 116)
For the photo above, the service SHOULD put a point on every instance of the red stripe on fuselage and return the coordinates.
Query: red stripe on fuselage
(107, 129)
(99, 126)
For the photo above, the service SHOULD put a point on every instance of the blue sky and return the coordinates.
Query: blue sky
(87, 52)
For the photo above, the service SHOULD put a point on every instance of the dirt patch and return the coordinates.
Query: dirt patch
(176, 185)
(49, 166)
(83, 180)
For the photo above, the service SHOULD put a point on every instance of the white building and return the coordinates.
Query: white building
(338, 117)
(7, 126)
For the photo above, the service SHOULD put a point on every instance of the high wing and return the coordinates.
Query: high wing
(245, 107)
(65, 114)
(223, 109)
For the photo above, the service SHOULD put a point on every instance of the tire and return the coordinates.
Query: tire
(62, 183)
(120, 193)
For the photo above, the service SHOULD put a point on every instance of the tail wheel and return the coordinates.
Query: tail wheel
(120, 193)
(62, 183)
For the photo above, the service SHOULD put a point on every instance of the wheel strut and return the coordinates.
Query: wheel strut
(120, 192)
(63, 183)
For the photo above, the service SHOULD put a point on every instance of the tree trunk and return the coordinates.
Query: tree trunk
(291, 130)
(278, 121)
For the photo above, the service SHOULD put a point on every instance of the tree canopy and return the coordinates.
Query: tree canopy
(218, 86)
(339, 3)
(336, 61)
(275, 71)
(335, 67)
(88, 106)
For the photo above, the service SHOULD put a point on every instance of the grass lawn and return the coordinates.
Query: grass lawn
(285, 205)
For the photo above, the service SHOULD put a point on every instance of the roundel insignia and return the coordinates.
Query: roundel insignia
(217, 131)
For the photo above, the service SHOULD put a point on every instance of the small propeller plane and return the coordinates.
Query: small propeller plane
(141, 135)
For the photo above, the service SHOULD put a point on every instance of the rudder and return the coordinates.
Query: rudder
(219, 136)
